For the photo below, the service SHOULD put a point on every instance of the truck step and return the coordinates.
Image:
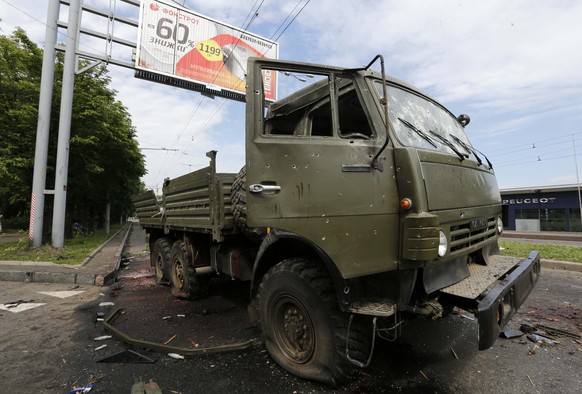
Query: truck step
(382, 308)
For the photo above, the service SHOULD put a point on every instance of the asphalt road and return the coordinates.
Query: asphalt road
(50, 347)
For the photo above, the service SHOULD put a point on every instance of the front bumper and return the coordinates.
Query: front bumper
(496, 304)
(504, 298)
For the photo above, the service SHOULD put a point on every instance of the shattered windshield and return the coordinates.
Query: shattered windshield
(420, 123)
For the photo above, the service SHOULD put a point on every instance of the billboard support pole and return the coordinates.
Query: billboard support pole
(62, 167)
(43, 126)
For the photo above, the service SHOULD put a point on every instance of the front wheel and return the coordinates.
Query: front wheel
(305, 331)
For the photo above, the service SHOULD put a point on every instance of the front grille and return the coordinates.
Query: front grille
(473, 232)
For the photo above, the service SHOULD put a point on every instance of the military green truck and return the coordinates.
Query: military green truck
(362, 203)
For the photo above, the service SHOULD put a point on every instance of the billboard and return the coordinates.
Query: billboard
(177, 42)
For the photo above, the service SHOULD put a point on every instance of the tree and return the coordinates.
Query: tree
(105, 164)
(20, 68)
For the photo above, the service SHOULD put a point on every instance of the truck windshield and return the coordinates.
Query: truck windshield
(420, 123)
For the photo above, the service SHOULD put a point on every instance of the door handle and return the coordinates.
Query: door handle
(258, 188)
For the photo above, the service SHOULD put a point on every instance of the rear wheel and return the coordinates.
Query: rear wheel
(185, 282)
(161, 260)
(305, 331)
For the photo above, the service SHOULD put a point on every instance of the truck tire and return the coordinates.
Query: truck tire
(239, 207)
(305, 331)
(160, 255)
(185, 283)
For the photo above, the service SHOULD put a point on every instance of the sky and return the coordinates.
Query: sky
(515, 67)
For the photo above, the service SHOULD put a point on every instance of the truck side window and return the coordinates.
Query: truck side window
(287, 124)
(321, 122)
(352, 118)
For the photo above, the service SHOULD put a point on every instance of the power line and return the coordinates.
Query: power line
(531, 145)
(249, 19)
(292, 20)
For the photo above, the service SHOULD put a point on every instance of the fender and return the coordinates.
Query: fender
(279, 245)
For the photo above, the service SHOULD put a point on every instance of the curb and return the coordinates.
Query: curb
(68, 274)
(106, 279)
(100, 248)
(561, 265)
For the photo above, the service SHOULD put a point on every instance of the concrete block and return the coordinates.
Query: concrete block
(86, 279)
(16, 276)
(99, 280)
(55, 277)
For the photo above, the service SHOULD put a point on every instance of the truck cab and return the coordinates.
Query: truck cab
(378, 183)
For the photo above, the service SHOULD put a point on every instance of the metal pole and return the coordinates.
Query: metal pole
(577, 179)
(43, 126)
(62, 166)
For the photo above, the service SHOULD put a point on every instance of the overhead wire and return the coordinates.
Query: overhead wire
(249, 19)
(199, 130)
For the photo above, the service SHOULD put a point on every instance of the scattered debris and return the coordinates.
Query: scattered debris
(454, 353)
(508, 334)
(106, 304)
(460, 313)
(194, 343)
(79, 390)
(128, 356)
(170, 340)
(176, 356)
(152, 387)
(166, 317)
(14, 304)
(148, 388)
(102, 338)
(543, 341)
(423, 374)
(527, 329)
(558, 332)
(100, 347)
(181, 315)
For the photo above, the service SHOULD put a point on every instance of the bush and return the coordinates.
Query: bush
(15, 223)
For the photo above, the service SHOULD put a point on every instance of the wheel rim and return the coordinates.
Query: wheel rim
(294, 330)
(179, 273)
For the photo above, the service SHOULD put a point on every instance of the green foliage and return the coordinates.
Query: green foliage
(75, 251)
(547, 251)
(105, 164)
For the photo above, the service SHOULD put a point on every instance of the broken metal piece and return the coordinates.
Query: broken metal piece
(170, 349)
(14, 304)
(556, 331)
(127, 356)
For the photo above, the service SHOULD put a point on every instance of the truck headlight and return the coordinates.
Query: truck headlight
(499, 225)
(443, 244)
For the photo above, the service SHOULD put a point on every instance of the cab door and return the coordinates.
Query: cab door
(308, 162)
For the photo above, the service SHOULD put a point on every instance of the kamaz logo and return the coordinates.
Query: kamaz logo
(478, 223)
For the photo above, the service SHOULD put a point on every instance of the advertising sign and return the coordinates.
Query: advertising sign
(177, 42)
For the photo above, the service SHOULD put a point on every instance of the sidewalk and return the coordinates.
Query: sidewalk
(98, 269)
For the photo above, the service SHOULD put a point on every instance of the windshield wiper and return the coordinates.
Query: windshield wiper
(448, 143)
(472, 150)
(419, 132)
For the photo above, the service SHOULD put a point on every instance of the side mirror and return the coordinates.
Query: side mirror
(463, 119)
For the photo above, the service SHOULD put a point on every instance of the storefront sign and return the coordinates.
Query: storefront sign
(517, 201)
